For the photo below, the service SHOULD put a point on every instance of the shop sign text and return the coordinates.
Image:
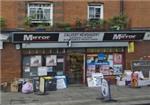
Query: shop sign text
(80, 36)
(31, 37)
(123, 36)
(127, 36)
(35, 38)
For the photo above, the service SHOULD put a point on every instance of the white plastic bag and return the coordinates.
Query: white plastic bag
(27, 88)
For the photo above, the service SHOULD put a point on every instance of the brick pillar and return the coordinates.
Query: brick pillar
(10, 63)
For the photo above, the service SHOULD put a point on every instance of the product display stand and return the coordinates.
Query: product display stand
(109, 99)
(106, 92)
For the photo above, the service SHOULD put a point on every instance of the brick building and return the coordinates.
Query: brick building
(17, 54)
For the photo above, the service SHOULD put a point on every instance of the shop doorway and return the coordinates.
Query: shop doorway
(75, 68)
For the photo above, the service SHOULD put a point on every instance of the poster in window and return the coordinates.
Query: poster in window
(101, 56)
(36, 61)
(60, 60)
(110, 63)
(104, 69)
(117, 58)
(110, 57)
(90, 59)
(42, 71)
(117, 69)
(27, 69)
(51, 60)
(49, 69)
(90, 69)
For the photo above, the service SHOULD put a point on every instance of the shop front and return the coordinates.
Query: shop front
(74, 54)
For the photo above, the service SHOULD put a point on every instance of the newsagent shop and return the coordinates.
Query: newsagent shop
(74, 54)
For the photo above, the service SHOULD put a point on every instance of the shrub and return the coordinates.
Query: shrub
(2, 22)
(118, 22)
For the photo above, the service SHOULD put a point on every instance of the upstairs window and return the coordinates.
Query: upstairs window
(95, 12)
(41, 12)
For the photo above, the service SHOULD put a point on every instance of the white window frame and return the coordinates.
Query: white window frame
(101, 11)
(31, 5)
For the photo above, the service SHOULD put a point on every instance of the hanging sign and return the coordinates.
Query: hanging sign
(131, 47)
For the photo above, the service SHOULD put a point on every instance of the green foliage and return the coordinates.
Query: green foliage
(118, 22)
(2, 22)
(41, 25)
(68, 29)
(78, 23)
(96, 23)
(27, 22)
(62, 25)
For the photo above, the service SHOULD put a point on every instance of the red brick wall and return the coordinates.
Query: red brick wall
(15, 16)
(75, 10)
(58, 12)
(141, 49)
(78, 9)
(9, 12)
(111, 8)
(139, 12)
(10, 63)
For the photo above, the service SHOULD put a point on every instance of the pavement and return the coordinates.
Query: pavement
(80, 95)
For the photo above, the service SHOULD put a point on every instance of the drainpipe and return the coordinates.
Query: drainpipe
(121, 7)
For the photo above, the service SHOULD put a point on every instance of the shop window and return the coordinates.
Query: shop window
(95, 11)
(41, 65)
(107, 64)
(41, 12)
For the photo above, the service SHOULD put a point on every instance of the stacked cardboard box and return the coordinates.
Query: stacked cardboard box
(14, 86)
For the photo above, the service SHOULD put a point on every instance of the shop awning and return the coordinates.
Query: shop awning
(75, 45)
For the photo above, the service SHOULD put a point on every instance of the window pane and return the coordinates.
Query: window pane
(97, 15)
(91, 12)
(33, 13)
(39, 14)
(97, 10)
(47, 14)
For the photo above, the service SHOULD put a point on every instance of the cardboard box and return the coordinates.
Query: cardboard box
(14, 86)
(120, 83)
(144, 82)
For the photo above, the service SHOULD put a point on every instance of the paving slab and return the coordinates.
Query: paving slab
(80, 95)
